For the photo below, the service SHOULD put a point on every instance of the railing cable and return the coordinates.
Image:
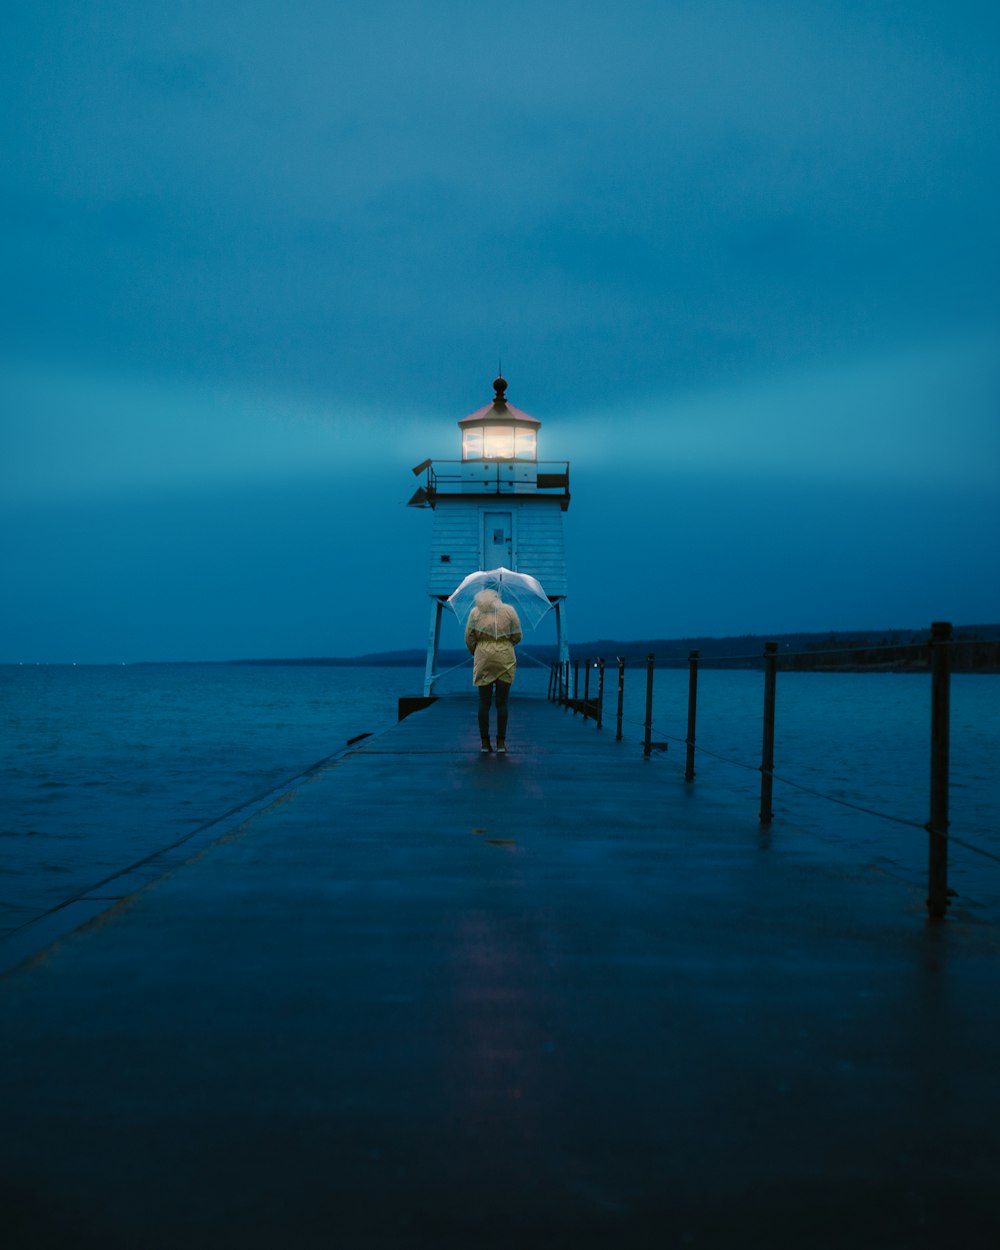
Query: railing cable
(526, 655)
(969, 846)
(454, 667)
(937, 650)
(819, 794)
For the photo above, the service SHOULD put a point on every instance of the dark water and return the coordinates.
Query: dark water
(101, 766)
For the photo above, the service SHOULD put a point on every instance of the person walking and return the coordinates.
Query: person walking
(491, 634)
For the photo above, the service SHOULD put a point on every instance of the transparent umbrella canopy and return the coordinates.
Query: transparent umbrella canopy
(520, 591)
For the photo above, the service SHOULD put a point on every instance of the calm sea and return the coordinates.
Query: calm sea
(102, 766)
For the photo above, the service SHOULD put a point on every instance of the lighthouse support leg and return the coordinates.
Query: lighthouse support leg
(433, 639)
(561, 636)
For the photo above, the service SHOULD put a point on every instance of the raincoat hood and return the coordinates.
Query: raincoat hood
(487, 598)
(492, 617)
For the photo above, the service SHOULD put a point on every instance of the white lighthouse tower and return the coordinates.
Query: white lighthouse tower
(497, 506)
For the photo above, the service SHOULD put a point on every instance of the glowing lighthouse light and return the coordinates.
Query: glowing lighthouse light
(499, 431)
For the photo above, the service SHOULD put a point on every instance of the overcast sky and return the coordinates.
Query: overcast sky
(740, 259)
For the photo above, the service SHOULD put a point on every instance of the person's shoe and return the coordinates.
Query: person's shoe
(486, 748)
(501, 747)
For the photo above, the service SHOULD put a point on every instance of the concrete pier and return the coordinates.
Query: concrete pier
(559, 999)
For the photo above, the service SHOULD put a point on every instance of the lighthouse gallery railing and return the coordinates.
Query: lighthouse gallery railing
(499, 477)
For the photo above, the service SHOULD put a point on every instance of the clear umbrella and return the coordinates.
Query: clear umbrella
(520, 591)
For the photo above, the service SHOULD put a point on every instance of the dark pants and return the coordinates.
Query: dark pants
(485, 699)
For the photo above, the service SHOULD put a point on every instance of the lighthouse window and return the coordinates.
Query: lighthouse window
(499, 442)
(524, 444)
(472, 444)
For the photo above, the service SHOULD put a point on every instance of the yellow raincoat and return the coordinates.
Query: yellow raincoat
(491, 634)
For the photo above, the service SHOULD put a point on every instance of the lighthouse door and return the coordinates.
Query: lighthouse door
(498, 545)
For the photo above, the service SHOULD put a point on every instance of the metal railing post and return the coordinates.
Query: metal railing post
(600, 692)
(647, 742)
(692, 713)
(576, 686)
(586, 688)
(767, 752)
(621, 697)
(937, 826)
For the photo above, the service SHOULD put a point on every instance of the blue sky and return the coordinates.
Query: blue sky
(741, 260)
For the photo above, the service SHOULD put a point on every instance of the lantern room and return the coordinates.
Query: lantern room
(499, 431)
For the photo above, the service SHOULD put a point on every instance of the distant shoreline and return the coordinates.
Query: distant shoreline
(812, 652)
(816, 652)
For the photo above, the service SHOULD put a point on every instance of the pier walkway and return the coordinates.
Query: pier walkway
(428, 998)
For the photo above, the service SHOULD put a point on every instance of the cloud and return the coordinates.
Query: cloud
(70, 435)
(338, 201)
(926, 414)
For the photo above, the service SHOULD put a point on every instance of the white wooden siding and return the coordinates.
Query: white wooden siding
(455, 534)
(539, 545)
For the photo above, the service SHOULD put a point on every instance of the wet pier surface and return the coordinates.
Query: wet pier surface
(557, 998)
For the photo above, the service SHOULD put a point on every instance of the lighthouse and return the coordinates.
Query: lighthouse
(498, 506)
